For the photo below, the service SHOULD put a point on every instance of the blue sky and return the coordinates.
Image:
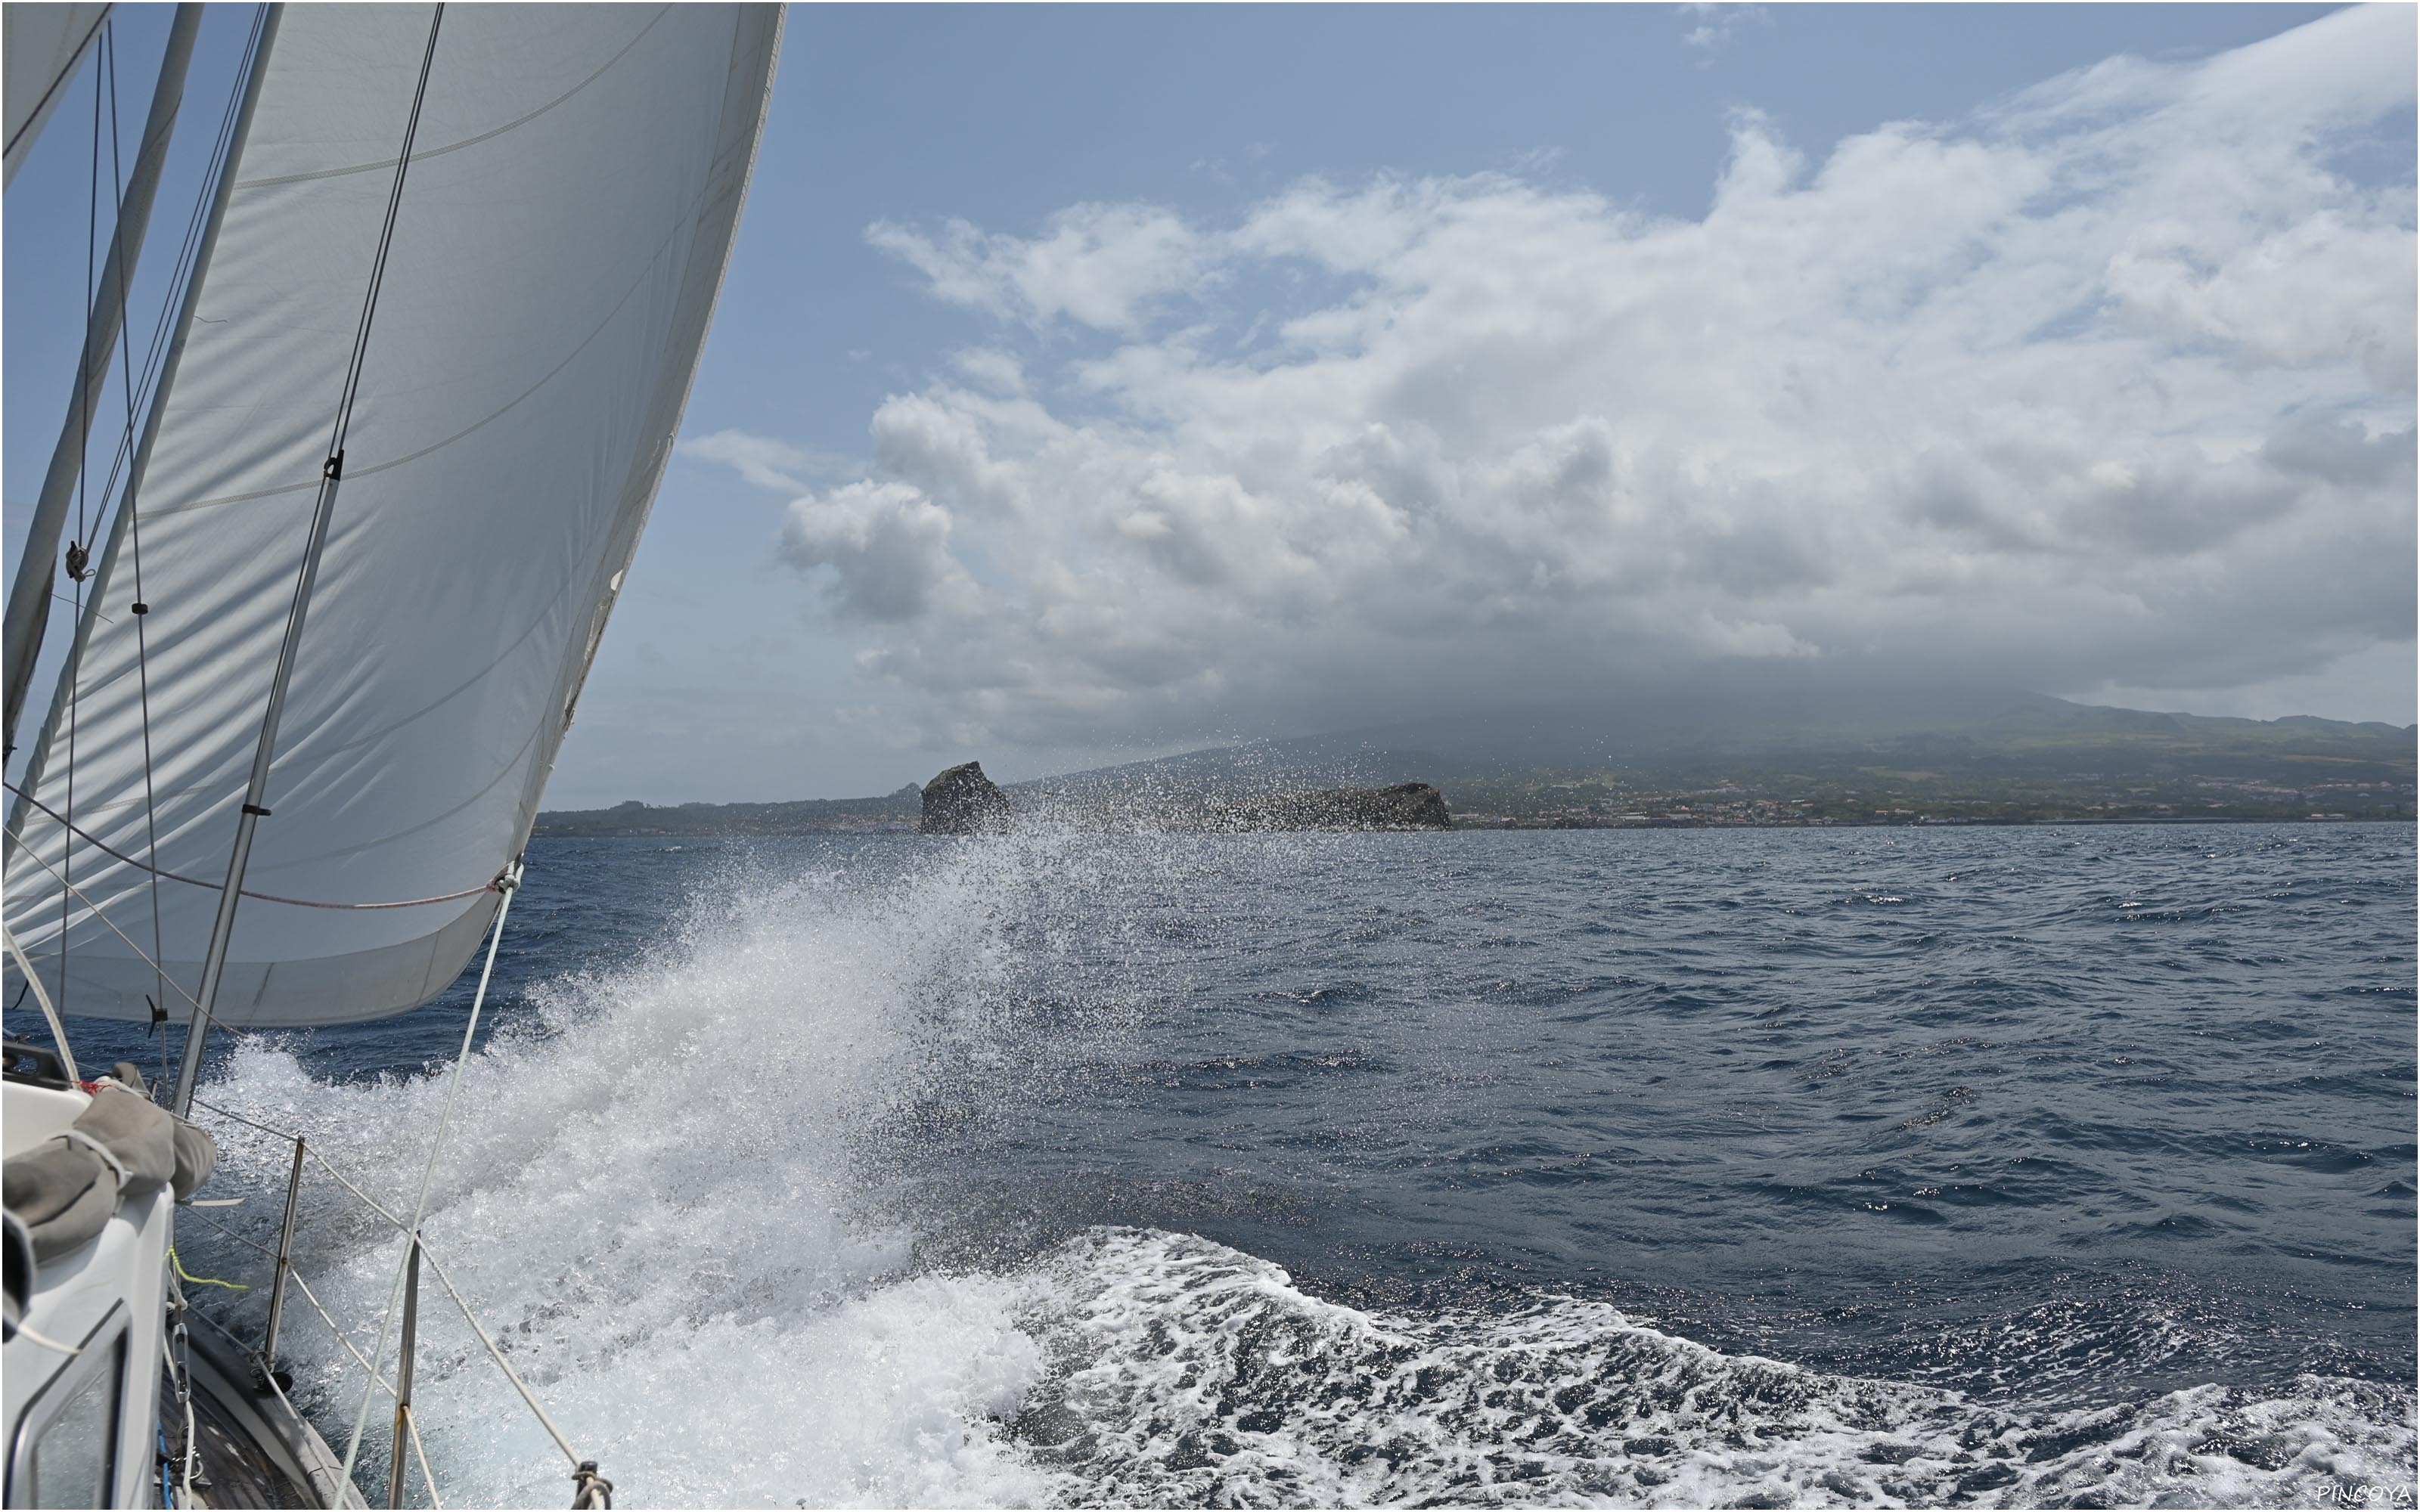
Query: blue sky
(1096, 380)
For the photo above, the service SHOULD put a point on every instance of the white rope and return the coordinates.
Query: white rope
(93, 910)
(46, 1341)
(58, 1032)
(437, 1269)
(544, 1421)
(429, 1171)
(193, 1451)
(420, 1451)
(296, 1276)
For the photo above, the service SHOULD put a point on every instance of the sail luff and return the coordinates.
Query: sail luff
(607, 596)
(29, 590)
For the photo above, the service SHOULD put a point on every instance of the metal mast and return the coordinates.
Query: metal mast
(29, 594)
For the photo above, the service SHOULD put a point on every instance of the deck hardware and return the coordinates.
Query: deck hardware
(403, 1377)
(285, 1263)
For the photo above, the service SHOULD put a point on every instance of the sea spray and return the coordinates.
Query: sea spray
(647, 1196)
(685, 1189)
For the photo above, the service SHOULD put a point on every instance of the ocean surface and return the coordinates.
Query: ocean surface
(1960, 1166)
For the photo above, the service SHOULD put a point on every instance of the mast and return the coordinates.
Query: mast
(29, 596)
(256, 789)
(192, 1065)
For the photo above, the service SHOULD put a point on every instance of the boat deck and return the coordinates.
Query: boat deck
(234, 1470)
(253, 1451)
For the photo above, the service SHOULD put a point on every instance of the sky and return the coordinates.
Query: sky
(1095, 382)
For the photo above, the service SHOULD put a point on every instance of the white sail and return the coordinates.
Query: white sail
(39, 46)
(559, 245)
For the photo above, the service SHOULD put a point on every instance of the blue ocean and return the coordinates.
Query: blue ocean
(1931, 1166)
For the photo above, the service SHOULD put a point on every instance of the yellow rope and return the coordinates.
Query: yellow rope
(202, 1280)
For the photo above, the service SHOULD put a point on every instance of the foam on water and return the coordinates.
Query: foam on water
(1187, 1373)
(655, 1195)
(647, 1196)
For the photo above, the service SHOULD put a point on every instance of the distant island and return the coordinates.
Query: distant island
(1786, 755)
(962, 801)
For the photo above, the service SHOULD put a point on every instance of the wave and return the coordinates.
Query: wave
(1186, 1373)
(656, 1192)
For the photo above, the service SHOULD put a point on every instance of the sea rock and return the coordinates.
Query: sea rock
(963, 801)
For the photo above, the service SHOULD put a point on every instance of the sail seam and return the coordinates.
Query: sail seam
(469, 141)
(686, 222)
(215, 887)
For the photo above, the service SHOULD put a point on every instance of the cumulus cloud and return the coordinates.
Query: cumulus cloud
(2110, 385)
(886, 546)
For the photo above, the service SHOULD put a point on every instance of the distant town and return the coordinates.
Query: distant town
(1612, 804)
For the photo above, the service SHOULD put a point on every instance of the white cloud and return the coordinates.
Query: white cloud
(762, 461)
(2111, 386)
(1103, 265)
(887, 546)
(1714, 26)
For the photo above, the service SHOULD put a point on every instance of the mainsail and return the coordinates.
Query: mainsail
(576, 178)
(39, 46)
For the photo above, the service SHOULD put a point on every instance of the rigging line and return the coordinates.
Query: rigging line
(65, 75)
(93, 909)
(180, 1367)
(191, 245)
(224, 1232)
(58, 1030)
(386, 243)
(91, 237)
(116, 855)
(436, 1267)
(315, 541)
(249, 1123)
(428, 1477)
(294, 1273)
(134, 523)
(78, 549)
(429, 1171)
(545, 1422)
